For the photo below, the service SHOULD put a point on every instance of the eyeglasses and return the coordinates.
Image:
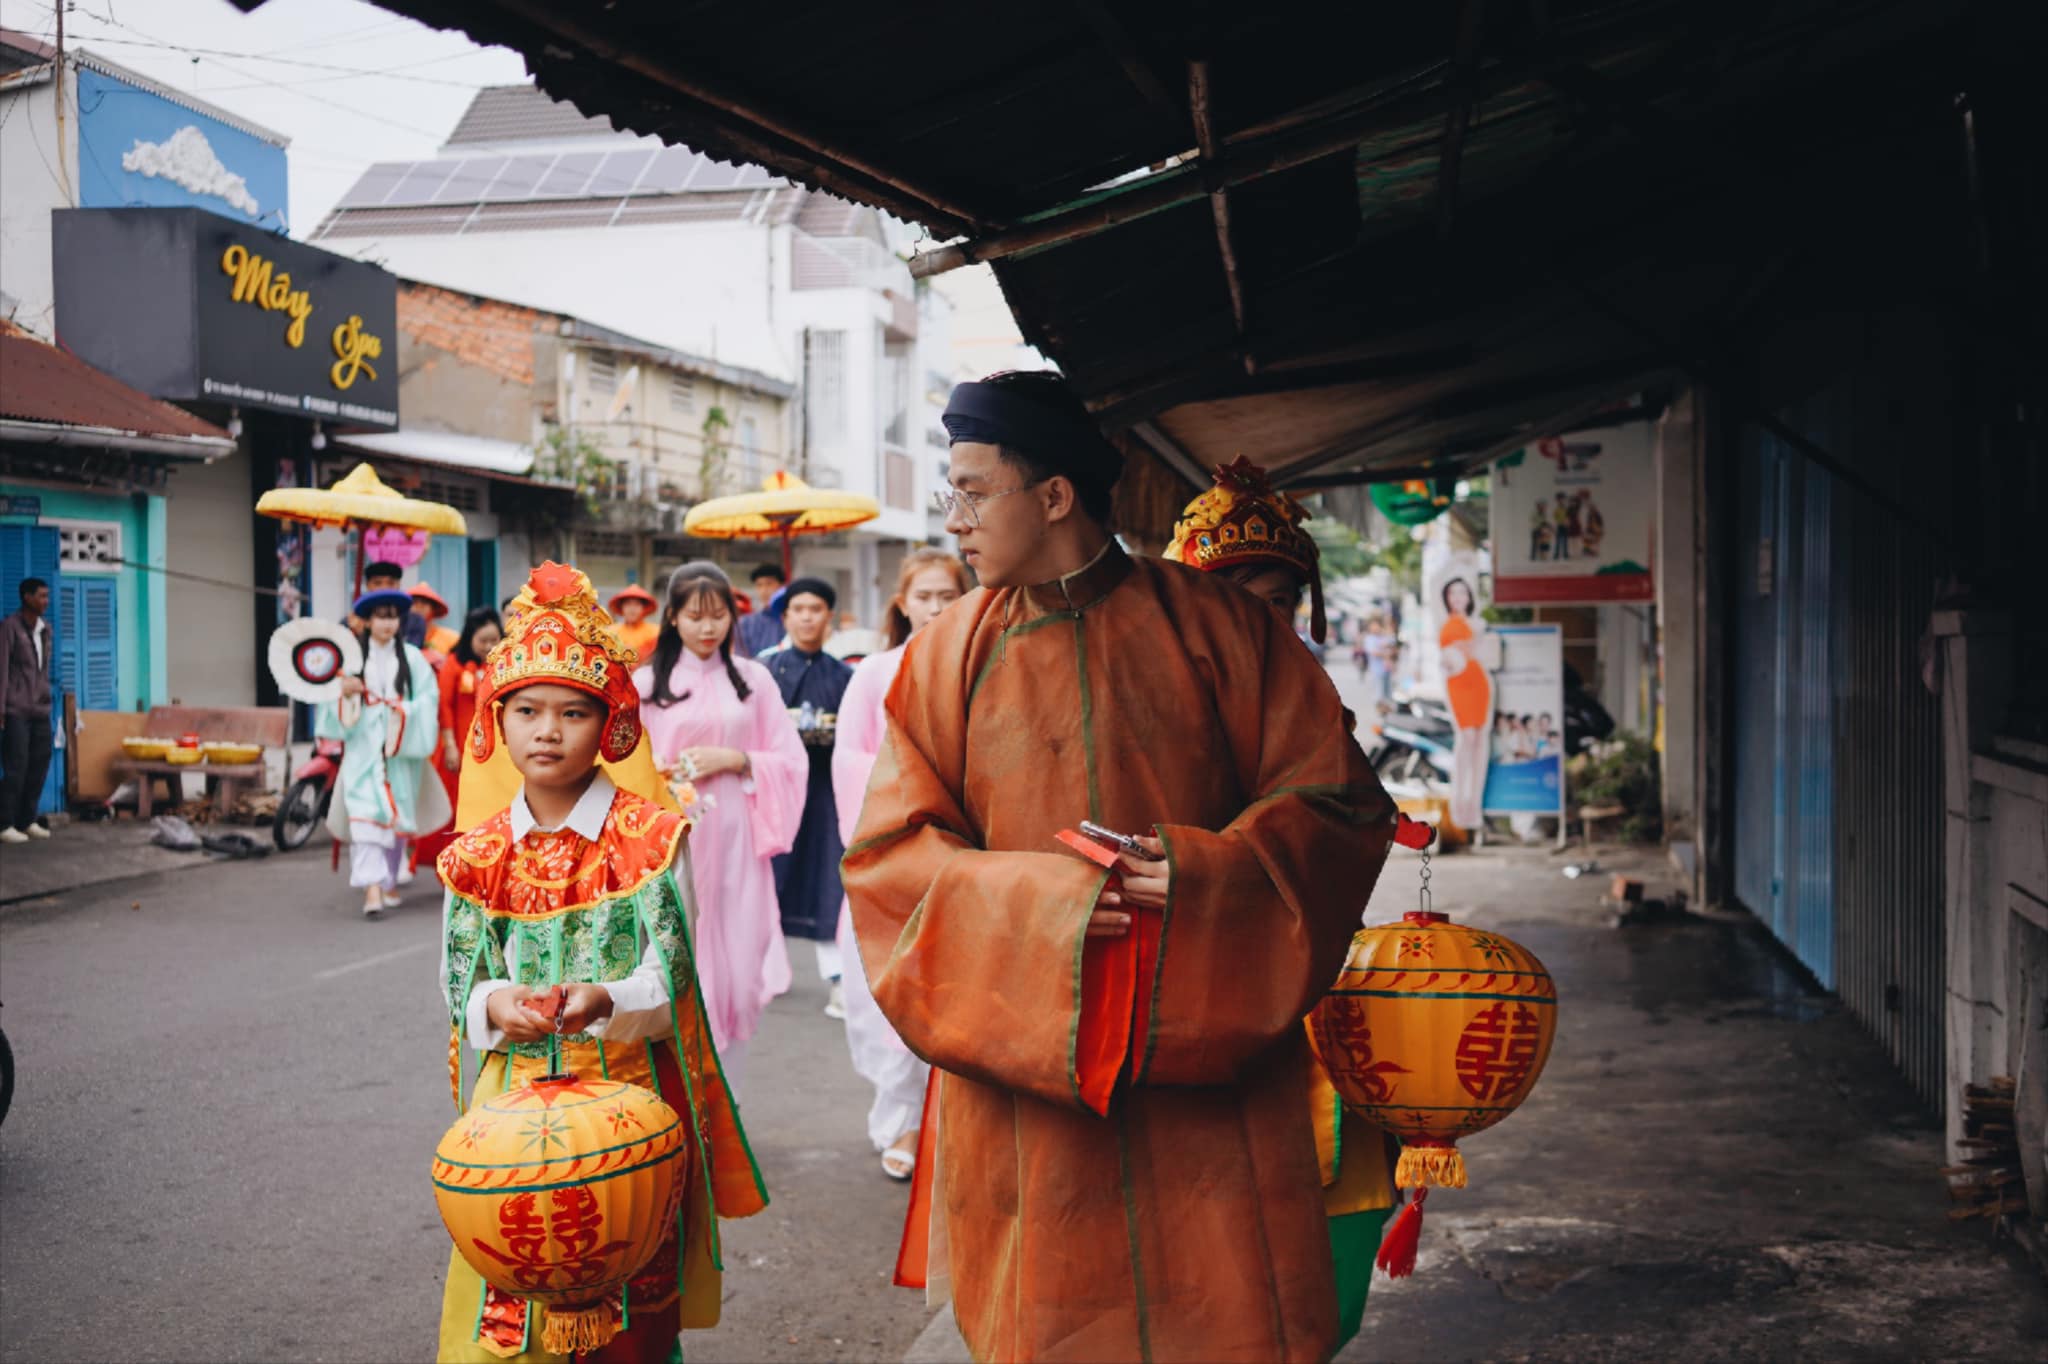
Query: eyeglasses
(951, 500)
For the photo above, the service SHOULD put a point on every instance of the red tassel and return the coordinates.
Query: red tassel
(1397, 1247)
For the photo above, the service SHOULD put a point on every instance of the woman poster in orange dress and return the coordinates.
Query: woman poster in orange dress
(1470, 693)
(457, 675)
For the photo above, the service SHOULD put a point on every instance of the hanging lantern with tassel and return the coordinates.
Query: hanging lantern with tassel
(559, 1191)
(1433, 1031)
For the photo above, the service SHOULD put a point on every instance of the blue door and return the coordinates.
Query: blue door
(1783, 709)
(32, 552)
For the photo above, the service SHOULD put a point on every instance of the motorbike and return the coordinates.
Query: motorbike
(1586, 721)
(1414, 749)
(304, 807)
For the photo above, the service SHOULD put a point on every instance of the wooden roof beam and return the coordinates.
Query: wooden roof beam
(1111, 33)
(1459, 119)
(1237, 163)
(1175, 458)
(1218, 378)
(1219, 203)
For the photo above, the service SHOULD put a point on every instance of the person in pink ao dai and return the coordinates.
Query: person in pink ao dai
(930, 581)
(719, 723)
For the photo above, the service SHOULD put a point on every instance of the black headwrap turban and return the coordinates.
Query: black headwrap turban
(1065, 443)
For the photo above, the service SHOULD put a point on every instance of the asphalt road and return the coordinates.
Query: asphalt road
(230, 1088)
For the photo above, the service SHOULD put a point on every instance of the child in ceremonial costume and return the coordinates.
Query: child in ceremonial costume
(566, 941)
(1251, 534)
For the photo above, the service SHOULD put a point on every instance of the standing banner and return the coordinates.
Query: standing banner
(1465, 656)
(1526, 774)
(1573, 517)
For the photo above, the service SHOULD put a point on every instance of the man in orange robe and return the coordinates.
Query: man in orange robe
(1126, 1169)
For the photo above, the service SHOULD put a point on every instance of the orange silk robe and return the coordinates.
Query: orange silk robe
(1127, 1169)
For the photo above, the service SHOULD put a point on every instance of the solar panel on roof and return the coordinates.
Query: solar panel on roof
(471, 179)
(570, 174)
(714, 176)
(422, 181)
(619, 173)
(376, 183)
(520, 179)
(671, 170)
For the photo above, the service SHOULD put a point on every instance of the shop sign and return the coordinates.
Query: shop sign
(190, 306)
(1572, 519)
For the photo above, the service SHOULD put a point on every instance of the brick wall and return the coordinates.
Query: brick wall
(490, 334)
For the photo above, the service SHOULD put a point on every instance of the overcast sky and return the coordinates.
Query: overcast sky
(347, 82)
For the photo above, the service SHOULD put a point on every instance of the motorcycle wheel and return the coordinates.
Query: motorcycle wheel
(6, 1076)
(300, 812)
(1404, 765)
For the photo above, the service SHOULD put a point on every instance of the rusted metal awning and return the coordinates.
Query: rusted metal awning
(1331, 237)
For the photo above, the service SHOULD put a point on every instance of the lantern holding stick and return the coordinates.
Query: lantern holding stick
(1433, 1031)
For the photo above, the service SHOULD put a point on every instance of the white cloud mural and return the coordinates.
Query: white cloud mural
(187, 159)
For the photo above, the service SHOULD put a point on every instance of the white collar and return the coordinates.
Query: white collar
(586, 819)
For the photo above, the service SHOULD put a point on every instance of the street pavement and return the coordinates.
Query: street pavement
(230, 1088)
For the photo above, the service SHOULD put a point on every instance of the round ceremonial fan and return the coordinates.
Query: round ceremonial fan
(308, 658)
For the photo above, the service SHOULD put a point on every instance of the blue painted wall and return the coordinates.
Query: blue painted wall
(141, 661)
(114, 117)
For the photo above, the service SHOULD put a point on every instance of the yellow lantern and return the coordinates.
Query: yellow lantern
(1434, 1031)
(561, 1190)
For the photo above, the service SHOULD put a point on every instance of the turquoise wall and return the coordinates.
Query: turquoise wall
(144, 661)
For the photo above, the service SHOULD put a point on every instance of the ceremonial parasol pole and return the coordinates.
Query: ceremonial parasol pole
(785, 507)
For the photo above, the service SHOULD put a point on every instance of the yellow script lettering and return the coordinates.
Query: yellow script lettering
(257, 282)
(356, 348)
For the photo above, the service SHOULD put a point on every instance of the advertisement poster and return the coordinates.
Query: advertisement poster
(1573, 519)
(1466, 653)
(1525, 772)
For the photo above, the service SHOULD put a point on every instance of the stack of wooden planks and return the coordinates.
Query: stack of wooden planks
(1988, 1183)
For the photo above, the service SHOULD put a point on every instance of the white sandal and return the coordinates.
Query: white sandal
(899, 1164)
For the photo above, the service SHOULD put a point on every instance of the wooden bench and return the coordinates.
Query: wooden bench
(269, 726)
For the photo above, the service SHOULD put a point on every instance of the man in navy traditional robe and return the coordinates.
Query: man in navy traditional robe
(812, 683)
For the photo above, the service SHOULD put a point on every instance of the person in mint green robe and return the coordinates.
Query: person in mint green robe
(387, 720)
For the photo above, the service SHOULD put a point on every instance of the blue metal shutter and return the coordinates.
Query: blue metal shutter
(25, 552)
(88, 642)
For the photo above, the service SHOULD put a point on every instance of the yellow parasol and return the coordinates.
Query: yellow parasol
(786, 506)
(360, 500)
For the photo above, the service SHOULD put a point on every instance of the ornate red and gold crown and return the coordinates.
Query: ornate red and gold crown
(1243, 519)
(556, 632)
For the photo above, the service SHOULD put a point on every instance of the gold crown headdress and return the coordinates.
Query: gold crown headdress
(555, 631)
(1245, 520)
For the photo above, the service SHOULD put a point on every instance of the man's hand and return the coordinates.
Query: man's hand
(525, 1015)
(1145, 880)
(451, 752)
(1108, 923)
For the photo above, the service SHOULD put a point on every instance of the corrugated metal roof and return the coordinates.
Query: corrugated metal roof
(41, 383)
(1333, 233)
(523, 113)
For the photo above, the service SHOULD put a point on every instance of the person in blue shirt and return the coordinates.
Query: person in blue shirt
(762, 630)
